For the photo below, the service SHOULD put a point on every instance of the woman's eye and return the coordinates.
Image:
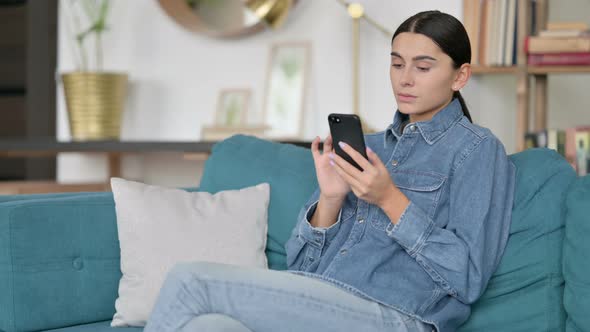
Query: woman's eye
(397, 65)
(424, 69)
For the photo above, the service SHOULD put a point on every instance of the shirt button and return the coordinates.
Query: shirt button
(394, 163)
(361, 221)
(413, 128)
(343, 252)
(311, 259)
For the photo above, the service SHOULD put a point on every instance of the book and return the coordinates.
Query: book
(570, 144)
(564, 33)
(483, 34)
(502, 28)
(567, 26)
(557, 45)
(530, 141)
(536, 139)
(582, 152)
(556, 140)
(477, 14)
(559, 59)
(510, 33)
(469, 23)
(490, 32)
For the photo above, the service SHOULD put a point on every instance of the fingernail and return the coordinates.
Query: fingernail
(368, 148)
(332, 162)
(331, 155)
(342, 144)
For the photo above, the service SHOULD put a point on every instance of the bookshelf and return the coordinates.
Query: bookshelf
(531, 80)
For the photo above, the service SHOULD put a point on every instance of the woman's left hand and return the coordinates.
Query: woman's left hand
(373, 184)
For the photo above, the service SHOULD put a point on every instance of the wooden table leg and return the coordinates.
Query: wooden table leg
(114, 165)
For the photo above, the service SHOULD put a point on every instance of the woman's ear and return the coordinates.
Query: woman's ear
(462, 76)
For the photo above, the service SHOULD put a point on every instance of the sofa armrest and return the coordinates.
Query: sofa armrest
(59, 261)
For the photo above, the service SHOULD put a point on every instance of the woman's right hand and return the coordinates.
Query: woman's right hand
(332, 186)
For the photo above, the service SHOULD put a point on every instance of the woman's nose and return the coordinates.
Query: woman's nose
(407, 79)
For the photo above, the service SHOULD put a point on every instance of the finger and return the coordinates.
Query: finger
(346, 166)
(374, 158)
(363, 163)
(328, 144)
(344, 175)
(315, 151)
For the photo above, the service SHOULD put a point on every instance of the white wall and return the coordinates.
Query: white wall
(176, 76)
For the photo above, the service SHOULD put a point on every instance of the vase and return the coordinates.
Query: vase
(95, 103)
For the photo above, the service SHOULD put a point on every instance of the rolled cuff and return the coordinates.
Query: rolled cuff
(412, 230)
(317, 236)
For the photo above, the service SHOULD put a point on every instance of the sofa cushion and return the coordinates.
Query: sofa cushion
(159, 227)
(525, 292)
(576, 265)
(59, 262)
(243, 161)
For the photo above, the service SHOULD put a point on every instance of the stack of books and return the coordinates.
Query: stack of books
(561, 44)
(492, 29)
(572, 143)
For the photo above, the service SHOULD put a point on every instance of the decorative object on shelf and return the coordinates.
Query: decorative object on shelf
(357, 12)
(231, 116)
(95, 99)
(218, 133)
(232, 107)
(228, 18)
(286, 85)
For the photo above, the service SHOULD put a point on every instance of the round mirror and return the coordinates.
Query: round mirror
(227, 18)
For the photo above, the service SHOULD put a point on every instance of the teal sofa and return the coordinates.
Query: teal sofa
(59, 253)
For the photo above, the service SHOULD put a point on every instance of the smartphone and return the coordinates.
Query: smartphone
(347, 128)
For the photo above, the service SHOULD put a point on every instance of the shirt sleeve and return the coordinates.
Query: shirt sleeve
(462, 256)
(307, 243)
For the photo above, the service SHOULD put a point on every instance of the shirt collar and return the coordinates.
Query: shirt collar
(430, 130)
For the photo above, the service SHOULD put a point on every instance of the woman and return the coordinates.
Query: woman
(407, 244)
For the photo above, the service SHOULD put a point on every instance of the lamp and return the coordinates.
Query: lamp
(273, 12)
(357, 12)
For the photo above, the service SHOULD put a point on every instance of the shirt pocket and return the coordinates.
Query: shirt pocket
(423, 189)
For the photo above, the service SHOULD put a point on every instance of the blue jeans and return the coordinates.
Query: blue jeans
(215, 297)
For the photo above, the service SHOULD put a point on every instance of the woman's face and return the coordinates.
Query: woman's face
(422, 76)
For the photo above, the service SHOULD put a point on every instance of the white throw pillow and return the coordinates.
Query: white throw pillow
(159, 227)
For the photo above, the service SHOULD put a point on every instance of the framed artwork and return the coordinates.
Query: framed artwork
(232, 107)
(286, 83)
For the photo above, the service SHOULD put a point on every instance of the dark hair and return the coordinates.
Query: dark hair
(448, 33)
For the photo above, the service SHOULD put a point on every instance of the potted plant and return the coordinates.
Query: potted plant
(95, 98)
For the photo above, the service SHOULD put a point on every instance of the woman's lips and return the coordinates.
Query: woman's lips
(405, 98)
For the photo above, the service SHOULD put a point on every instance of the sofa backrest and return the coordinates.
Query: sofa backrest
(525, 293)
(243, 161)
(576, 260)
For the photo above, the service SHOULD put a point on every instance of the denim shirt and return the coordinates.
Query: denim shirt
(437, 260)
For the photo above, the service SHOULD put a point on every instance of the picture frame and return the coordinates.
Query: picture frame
(286, 89)
(232, 107)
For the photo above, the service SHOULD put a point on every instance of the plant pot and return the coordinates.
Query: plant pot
(95, 103)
